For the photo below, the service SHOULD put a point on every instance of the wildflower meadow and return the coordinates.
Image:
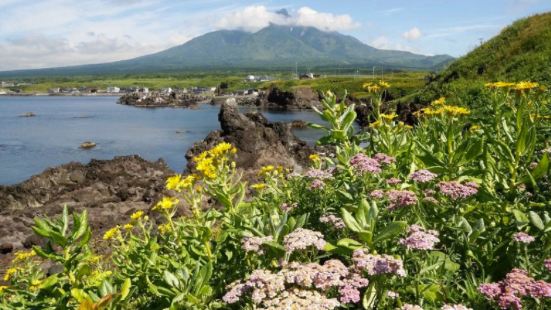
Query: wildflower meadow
(451, 212)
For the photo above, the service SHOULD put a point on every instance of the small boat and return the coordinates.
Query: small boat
(87, 145)
(28, 114)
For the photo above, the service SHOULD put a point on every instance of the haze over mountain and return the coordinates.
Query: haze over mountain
(273, 47)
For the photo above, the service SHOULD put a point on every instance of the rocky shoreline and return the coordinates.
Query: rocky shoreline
(111, 190)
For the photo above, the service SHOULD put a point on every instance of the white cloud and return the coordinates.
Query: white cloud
(384, 43)
(56, 33)
(412, 34)
(256, 17)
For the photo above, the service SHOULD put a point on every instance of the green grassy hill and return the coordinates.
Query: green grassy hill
(522, 51)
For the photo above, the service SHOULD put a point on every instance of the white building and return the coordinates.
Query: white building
(251, 78)
(113, 89)
(7, 84)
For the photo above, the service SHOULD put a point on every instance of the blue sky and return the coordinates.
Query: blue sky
(37, 34)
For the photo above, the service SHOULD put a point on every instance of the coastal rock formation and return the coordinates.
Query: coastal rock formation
(157, 99)
(109, 189)
(258, 141)
(300, 98)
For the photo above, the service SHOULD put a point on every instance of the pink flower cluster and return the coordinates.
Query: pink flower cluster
(333, 220)
(320, 174)
(393, 181)
(401, 198)
(378, 264)
(547, 264)
(456, 190)
(523, 237)
(455, 307)
(377, 194)
(288, 207)
(363, 163)
(300, 280)
(411, 307)
(423, 176)
(420, 239)
(317, 184)
(384, 159)
(253, 244)
(301, 239)
(517, 284)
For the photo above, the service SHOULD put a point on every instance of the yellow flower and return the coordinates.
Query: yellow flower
(166, 203)
(112, 233)
(137, 215)
(266, 169)
(206, 167)
(9, 274)
(258, 186)
(389, 117)
(21, 256)
(474, 128)
(439, 101)
(222, 149)
(165, 228)
(521, 86)
(375, 124)
(499, 85)
(2, 288)
(455, 110)
(128, 226)
(314, 157)
(384, 84)
(173, 182)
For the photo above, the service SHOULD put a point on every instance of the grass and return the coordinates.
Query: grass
(403, 83)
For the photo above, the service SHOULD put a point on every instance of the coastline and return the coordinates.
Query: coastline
(62, 95)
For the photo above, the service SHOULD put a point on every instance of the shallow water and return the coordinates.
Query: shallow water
(28, 145)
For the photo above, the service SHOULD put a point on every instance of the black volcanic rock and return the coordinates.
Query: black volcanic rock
(258, 141)
(109, 189)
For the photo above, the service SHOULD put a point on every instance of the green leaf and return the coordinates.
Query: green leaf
(536, 220)
(368, 300)
(349, 243)
(391, 230)
(171, 279)
(350, 221)
(125, 288)
(520, 216)
(49, 282)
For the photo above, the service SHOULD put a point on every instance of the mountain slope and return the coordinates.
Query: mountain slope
(272, 47)
(521, 51)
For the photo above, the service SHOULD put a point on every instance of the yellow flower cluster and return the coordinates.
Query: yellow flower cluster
(112, 233)
(439, 101)
(2, 288)
(520, 86)
(499, 85)
(207, 161)
(22, 255)
(445, 110)
(314, 157)
(178, 183)
(165, 228)
(128, 227)
(258, 186)
(166, 203)
(136, 215)
(266, 169)
(389, 117)
(9, 274)
(375, 87)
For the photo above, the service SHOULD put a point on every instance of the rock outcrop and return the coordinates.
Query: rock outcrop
(109, 189)
(300, 98)
(156, 99)
(258, 141)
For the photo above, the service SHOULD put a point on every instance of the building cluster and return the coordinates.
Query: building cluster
(114, 90)
(10, 87)
(258, 78)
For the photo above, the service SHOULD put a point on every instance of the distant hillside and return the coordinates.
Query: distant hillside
(521, 51)
(272, 47)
